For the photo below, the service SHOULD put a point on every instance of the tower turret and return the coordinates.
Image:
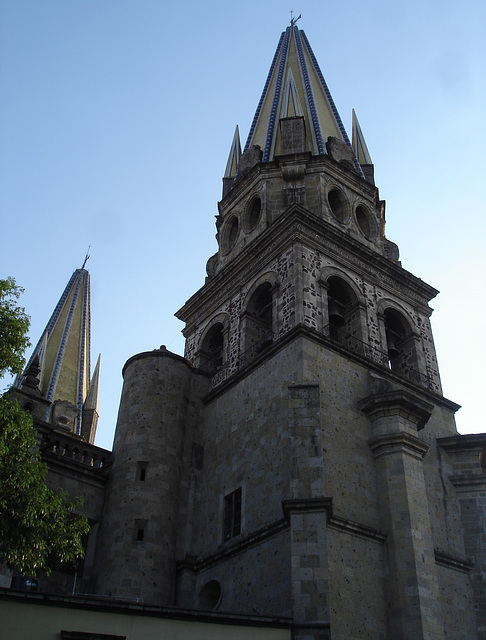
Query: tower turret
(141, 513)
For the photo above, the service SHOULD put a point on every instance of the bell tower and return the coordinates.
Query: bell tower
(301, 232)
(322, 365)
(300, 461)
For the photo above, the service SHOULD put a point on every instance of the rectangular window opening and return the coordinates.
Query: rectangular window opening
(142, 471)
(232, 515)
(140, 530)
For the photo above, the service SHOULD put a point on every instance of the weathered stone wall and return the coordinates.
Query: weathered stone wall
(357, 586)
(464, 461)
(88, 484)
(457, 602)
(442, 497)
(247, 440)
(349, 470)
(473, 509)
(246, 443)
(255, 580)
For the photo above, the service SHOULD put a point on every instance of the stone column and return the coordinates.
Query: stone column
(414, 598)
(307, 512)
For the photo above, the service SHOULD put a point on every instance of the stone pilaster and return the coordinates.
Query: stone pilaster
(307, 513)
(414, 609)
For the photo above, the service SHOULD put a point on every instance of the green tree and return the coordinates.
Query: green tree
(39, 527)
(14, 327)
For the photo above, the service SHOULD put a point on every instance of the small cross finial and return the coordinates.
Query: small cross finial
(294, 20)
(86, 258)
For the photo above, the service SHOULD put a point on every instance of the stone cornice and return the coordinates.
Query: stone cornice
(306, 505)
(466, 442)
(310, 505)
(303, 331)
(399, 402)
(392, 443)
(233, 547)
(324, 505)
(453, 562)
(356, 529)
(469, 482)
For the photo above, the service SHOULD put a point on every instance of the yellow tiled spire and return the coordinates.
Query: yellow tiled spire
(295, 86)
(61, 359)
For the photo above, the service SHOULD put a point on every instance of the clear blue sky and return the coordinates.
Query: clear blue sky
(116, 119)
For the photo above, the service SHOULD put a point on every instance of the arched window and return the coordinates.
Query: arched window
(211, 352)
(258, 322)
(343, 314)
(400, 344)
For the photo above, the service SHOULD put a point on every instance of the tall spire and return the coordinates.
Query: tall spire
(295, 87)
(361, 150)
(234, 156)
(91, 406)
(58, 371)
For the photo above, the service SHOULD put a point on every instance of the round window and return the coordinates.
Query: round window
(230, 234)
(210, 595)
(338, 204)
(365, 222)
(253, 213)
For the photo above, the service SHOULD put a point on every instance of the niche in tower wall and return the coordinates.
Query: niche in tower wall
(257, 322)
(232, 515)
(343, 313)
(212, 347)
(400, 343)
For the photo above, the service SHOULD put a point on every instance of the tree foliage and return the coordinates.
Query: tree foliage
(39, 527)
(14, 326)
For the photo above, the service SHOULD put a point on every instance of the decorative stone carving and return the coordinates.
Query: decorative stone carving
(64, 414)
(340, 152)
(249, 159)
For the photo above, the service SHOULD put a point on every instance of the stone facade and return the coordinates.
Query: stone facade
(350, 518)
(359, 508)
(300, 460)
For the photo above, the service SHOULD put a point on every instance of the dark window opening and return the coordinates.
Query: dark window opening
(402, 348)
(83, 635)
(254, 213)
(142, 471)
(259, 322)
(338, 204)
(211, 354)
(396, 334)
(365, 222)
(344, 319)
(210, 595)
(230, 234)
(140, 530)
(232, 515)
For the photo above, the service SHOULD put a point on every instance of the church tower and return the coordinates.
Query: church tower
(300, 461)
(56, 383)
